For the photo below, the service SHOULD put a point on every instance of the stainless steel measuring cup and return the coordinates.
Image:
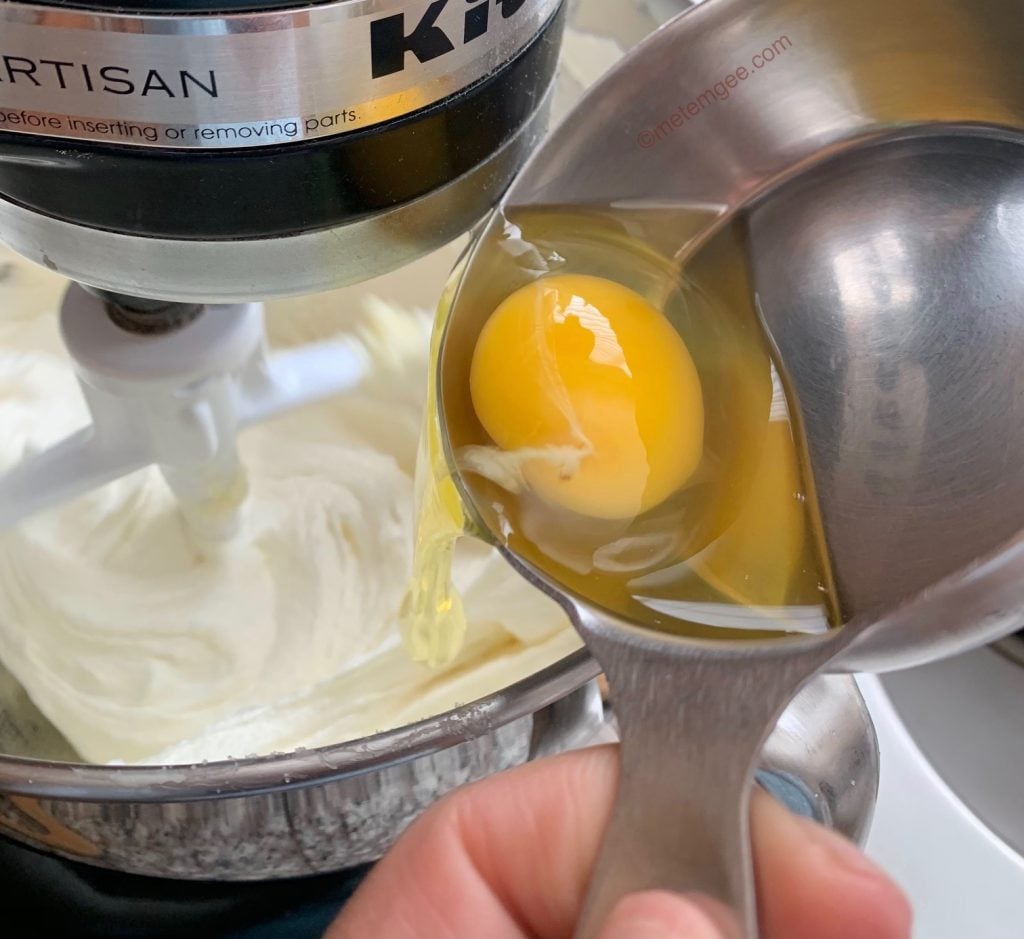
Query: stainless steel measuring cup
(873, 155)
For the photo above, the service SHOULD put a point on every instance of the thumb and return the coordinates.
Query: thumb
(658, 914)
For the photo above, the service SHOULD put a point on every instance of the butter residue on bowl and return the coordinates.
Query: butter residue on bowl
(141, 647)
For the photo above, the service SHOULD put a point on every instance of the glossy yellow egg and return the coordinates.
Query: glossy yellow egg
(598, 391)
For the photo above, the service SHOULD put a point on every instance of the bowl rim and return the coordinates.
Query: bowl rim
(259, 775)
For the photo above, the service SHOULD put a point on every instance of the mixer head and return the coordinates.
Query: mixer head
(184, 150)
(183, 158)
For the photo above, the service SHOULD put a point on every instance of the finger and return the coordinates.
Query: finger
(510, 857)
(505, 858)
(814, 884)
(658, 914)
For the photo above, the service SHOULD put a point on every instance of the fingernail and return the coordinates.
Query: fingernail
(839, 852)
(719, 914)
(658, 914)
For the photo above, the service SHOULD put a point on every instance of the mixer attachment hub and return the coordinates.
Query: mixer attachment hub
(146, 316)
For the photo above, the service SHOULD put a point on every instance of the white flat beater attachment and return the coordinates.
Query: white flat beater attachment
(177, 400)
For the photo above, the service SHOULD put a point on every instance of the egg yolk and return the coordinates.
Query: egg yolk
(574, 364)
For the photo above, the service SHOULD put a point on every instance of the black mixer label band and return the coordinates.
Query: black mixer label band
(252, 79)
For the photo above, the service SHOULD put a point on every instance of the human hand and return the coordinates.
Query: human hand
(510, 857)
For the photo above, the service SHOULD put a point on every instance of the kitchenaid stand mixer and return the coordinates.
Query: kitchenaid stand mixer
(228, 204)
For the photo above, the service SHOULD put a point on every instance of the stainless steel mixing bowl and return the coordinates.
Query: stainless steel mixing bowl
(336, 807)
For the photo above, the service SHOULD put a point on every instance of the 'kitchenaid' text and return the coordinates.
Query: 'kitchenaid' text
(427, 40)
